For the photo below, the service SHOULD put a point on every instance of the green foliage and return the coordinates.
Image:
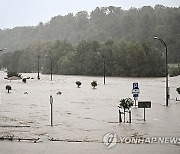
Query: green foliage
(94, 84)
(123, 38)
(78, 83)
(8, 88)
(10, 74)
(126, 103)
(178, 90)
(26, 63)
(102, 24)
(175, 72)
(122, 58)
(24, 80)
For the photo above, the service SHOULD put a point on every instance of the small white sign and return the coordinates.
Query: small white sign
(135, 91)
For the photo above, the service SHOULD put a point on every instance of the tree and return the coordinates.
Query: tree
(11, 74)
(178, 90)
(5, 60)
(27, 63)
(24, 80)
(78, 83)
(94, 84)
(15, 60)
(82, 20)
(102, 24)
(126, 104)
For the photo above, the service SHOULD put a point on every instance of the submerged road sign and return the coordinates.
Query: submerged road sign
(51, 104)
(135, 91)
(135, 95)
(144, 104)
(135, 85)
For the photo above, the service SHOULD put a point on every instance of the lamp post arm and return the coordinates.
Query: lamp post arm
(162, 41)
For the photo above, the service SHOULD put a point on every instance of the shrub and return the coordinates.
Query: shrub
(94, 84)
(78, 83)
(175, 72)
(24, 80)
(126, 103)
(178, 90)
(10, 74)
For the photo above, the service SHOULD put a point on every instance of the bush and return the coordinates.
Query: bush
(178, 90)
(126, 103)
(78, 83)
(24, 80)
(10, 74)
(94, 84)
(175, 72)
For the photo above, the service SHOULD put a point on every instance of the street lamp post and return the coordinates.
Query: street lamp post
(38, 68)
(167, 88)
(104, 70)
(51, 67)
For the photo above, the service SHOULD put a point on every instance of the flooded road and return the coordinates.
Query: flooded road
(86, 114)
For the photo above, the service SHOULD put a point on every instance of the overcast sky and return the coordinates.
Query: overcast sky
(30, 12)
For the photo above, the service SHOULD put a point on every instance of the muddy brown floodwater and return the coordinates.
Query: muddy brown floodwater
(82, 116)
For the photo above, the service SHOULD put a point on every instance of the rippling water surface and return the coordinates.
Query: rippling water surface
(85, 113)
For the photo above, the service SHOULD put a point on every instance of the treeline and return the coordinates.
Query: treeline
(122, 58)
(103, 24)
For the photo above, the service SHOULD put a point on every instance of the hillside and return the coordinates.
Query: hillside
(103, 24)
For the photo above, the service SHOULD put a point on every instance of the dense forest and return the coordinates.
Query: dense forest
(103, 24)
(122, 58)
(123, 37)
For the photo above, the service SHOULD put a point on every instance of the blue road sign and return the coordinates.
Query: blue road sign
(135, 85)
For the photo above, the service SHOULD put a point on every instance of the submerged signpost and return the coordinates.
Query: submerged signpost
(135, 91)
(141, 104)
(51, 102)
(144, 104)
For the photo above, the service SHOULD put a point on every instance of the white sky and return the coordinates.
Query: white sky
(30, 12)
